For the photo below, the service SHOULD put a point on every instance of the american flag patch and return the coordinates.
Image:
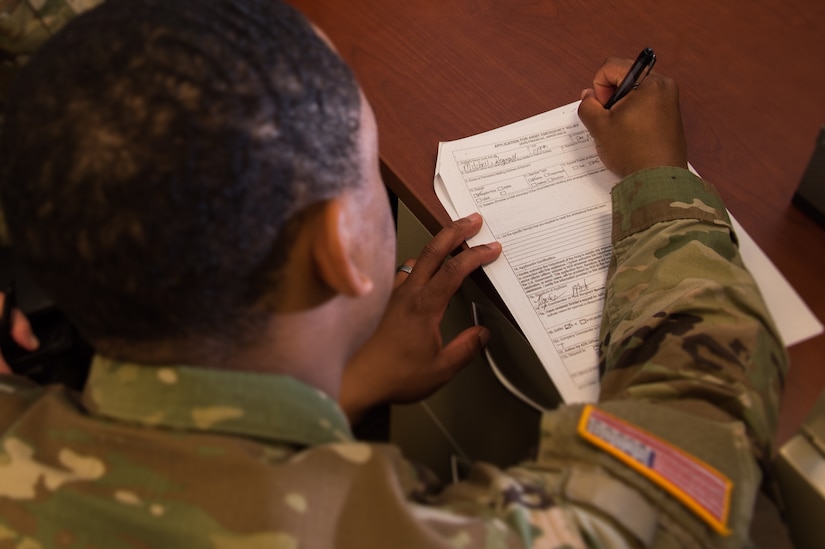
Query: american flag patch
(700, 487)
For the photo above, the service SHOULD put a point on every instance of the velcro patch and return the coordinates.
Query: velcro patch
(703, 489)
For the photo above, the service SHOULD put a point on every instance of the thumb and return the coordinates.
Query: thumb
(22, 332)
(463, 349)
(591, 112)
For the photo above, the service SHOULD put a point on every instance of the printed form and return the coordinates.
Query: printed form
(545, 195)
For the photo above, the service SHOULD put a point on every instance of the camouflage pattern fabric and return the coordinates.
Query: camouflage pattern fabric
(187, 457)
(684, 322)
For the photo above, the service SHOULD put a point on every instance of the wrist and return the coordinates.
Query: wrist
(659, 174)
(358, 395)
(666, 193)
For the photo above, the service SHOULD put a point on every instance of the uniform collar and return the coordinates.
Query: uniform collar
(264, 406)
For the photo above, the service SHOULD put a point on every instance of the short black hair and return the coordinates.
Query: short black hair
(154, 152)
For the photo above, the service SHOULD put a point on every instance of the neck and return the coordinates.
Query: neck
(286, 344)
(289, 345)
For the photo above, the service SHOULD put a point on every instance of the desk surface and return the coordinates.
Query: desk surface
(751, 75)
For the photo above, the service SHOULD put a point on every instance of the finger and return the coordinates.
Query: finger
(463, 349)
(657, 85)
(436, 250)
(452, 273)
(591, 111)
(609, 76)
(21, 331)
(401, 276)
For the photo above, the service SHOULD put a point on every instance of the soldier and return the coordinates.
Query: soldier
(214, 221)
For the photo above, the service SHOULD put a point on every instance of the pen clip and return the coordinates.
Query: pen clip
(650, 62)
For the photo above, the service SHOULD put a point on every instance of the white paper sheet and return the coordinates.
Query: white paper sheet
(545, 195)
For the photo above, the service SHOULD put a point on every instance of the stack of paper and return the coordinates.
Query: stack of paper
(545, 195)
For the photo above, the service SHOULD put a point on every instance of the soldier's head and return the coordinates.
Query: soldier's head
(160, 159)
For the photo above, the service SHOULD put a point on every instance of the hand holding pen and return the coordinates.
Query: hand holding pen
(644, 130)
(633, 79)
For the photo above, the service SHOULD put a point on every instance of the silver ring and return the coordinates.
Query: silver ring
(404, 269)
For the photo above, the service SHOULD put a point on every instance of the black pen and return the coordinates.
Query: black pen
(634, 76)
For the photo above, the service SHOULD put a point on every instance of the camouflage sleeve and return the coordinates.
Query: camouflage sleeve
(684, 322)
(690, 358)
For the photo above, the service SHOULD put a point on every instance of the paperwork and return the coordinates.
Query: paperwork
(545, 195)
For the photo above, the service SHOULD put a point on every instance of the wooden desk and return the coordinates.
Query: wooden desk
(752, 79)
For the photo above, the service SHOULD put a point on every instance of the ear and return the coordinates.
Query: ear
(335, 249)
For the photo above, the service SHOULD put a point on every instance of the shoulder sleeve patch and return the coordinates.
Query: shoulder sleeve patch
(700, 487)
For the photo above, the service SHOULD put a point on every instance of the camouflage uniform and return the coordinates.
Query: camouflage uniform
(188, 457)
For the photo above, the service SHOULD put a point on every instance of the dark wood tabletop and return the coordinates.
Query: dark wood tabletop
(751, 76)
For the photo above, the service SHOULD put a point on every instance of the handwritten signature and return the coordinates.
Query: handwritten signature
(545, 301)
(580, 288)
